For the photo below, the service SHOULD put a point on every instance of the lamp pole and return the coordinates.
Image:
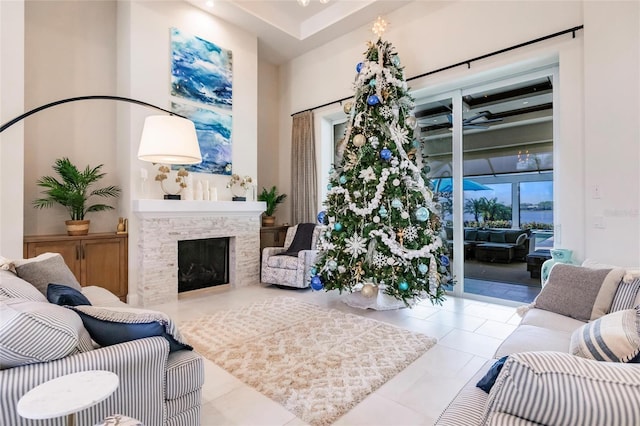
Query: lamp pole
(83, 98)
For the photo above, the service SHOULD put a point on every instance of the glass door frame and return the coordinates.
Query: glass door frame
(457, 161)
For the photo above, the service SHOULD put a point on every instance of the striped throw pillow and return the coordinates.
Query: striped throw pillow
(12, 286)
(626, 295)
(555, 388)
(33, 332)
(614, 337)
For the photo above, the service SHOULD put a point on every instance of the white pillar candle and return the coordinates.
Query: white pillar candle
(205, 191)
(197, 193)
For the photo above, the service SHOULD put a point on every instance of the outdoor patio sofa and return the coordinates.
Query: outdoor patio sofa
(572, 360)
(160, 382)
(493, 244)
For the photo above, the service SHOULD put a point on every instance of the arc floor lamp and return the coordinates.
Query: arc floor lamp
(166, 139)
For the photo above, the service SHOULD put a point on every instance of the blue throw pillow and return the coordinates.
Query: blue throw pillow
(64, 295)
(108, 326)
(486, 383)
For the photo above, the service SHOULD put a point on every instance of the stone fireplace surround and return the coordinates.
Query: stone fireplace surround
(162, 223)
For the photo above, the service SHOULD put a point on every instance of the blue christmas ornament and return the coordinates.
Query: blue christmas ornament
(385, 154)
(423, 268)
(322, 218)
(313, 271)
(359, 66)
(403, 286)
(422, 214)
(444, 260)
(373, 100)
(415, 143)
(343, 180)
(372, 82)
(316, 283)
(337, 226)
(329, 187)
(396, 203)
(395, 60)
(383, 212)
(332, 265)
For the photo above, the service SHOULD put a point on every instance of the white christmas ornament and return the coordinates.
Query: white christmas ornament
(356, 245)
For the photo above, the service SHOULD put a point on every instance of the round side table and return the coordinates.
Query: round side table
(66, 395)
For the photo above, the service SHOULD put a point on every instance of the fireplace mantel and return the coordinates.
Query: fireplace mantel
(163, 223)
(160, 208)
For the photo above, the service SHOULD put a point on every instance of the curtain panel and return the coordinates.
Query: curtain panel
(304, 191)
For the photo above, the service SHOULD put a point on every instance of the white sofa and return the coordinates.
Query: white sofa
(542, 382)
(156, 386)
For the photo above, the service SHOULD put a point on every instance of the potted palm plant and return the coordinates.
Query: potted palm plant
(272, 198)
(72, 192)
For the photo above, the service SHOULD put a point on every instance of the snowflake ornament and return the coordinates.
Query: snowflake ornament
(356, 245)
(379, 260)
(386, 112)
(398, 134)
(410, 233)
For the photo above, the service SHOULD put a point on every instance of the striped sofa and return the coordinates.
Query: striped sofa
(562, 368)
(157, 387)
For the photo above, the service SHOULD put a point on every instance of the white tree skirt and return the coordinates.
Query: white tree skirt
(382, 302)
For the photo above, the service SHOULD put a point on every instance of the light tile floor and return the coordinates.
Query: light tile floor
(468, 333)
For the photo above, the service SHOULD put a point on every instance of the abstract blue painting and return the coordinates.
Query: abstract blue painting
(200, 70)
(214, 137)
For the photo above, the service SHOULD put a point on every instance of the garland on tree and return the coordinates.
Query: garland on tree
(382, 224)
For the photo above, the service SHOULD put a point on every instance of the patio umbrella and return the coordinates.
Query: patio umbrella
(446, 185)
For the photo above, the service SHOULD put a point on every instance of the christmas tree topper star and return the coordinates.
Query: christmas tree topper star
(379, 27)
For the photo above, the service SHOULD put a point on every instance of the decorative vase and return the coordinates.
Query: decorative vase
(77, 227)
(268, 220)
(557, 256)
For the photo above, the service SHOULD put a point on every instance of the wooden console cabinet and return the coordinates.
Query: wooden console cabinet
(272, 236)
(99, 259)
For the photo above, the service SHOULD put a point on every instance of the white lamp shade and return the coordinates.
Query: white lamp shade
(167, 139)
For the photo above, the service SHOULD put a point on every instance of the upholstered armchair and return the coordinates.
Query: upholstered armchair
(289, 271)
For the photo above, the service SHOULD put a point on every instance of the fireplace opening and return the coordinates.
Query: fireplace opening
(203, 263)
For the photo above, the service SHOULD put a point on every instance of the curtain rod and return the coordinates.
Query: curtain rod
(467, 62)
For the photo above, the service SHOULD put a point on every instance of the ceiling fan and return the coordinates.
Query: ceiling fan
(471, 123)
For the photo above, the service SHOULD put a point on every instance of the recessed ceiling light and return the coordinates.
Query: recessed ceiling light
(209, 3)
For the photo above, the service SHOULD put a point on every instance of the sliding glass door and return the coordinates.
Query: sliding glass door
(490, 158)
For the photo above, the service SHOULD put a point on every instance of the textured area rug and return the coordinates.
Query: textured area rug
(318, 363)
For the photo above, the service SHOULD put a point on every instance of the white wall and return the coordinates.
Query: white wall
(147, 70)
(102, 47)
(612, 131)
(11, 140)
(269, 163)
(70, 50)
(430, 35)
(144, 73)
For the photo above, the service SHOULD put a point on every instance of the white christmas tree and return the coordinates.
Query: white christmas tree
(383, 225)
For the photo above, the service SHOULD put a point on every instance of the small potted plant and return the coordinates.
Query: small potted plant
(72, 192)
(272, 199)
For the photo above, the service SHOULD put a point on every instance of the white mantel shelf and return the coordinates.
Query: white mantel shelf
(197, 208)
